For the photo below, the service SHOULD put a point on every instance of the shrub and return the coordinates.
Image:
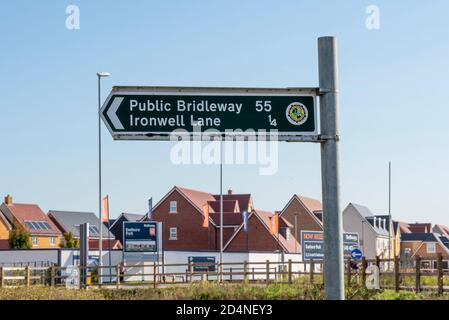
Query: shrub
(20, 239)
(70, 241)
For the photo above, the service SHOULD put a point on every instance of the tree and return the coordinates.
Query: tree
(20, 239)
(70, 241)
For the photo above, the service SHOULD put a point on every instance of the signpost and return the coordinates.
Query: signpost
(312, 244)
(290, 114)
(153, 113)
(202, 264)
(141, 241)
(356, 254)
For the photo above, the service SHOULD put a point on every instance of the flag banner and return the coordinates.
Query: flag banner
(105, 210)
(150, 208)
(245, 220)
(275, 224)
(206, 215)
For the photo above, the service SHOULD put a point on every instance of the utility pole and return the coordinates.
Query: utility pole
(330, 169)
(389, 210)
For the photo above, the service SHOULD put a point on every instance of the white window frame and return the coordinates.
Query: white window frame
(52, 241)
(287, 234)
(175, 205)
(434, 247)
(35, 241)
(171, 230)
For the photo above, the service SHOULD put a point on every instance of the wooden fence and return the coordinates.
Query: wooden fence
(394, 274)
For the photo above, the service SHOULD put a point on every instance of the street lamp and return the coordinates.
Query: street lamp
(100, 242)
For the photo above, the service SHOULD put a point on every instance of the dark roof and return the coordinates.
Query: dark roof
(132, 216)
(445, 241)
(419, 236)
(69, 221)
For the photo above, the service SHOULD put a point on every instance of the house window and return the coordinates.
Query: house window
(52, 241)
(35, 241)
(173, 207)
(431, 247)
(173, 233)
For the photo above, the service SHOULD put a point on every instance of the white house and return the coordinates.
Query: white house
(373, 230)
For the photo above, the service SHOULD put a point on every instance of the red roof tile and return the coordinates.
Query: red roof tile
(244, 200)
(31, 212)
(311, 204)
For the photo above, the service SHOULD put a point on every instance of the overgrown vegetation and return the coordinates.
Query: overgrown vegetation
(20, 239)
(70, 241)
(211, 291)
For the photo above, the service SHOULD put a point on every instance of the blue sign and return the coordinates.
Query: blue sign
(312, 244)
(203, 264)
(356, 254)
(140, 237)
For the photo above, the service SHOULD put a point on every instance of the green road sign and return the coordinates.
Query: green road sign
(153, 113)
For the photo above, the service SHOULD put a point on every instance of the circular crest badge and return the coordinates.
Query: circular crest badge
(296, 113)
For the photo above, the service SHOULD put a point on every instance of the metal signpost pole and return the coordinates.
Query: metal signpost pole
(221, 210)
(100, 242)
(330, 171)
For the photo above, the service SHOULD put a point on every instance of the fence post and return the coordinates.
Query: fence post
(52, 276)
(268, 271)
(27, 276)
(253, 274)
(245, 271)
(396, 273)
(348, 271)
(378, 262)
(190, 272)
(289, 271)
(418, 273)
(440, 272)
(230, 274)
(154, 275)
(312, 270)
(1, 277)
(117, 275)
(364, 266)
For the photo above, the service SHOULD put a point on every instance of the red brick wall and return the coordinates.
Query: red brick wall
(259, 238)
(4, 244)
(189, 221)
(305, 221)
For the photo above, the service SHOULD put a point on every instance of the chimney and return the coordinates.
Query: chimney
(8, 200)
(230, 191)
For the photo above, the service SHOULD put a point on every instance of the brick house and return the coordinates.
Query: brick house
(30, 218)
(185, 225)
(5, 231)
(425, 245)
(302, 214)
(263, 235)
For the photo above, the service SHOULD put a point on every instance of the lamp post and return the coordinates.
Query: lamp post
(100, 242)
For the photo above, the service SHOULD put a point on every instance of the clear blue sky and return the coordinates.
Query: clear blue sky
(394, 85)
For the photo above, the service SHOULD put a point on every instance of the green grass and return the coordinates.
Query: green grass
(210, 291)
